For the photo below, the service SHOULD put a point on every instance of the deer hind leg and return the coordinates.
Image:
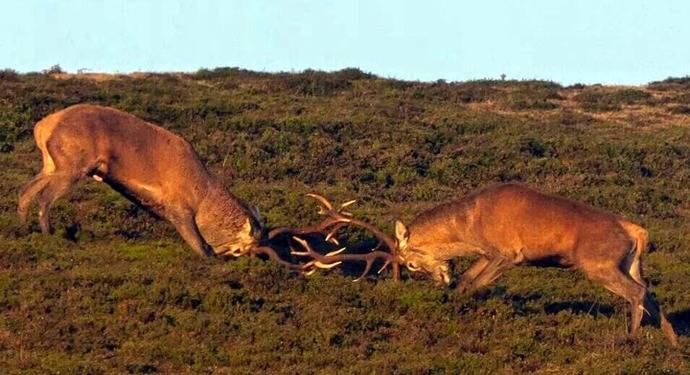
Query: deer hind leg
(650, 306)
(28, 194)
(655, 311)
(56, 186)
(625, 286)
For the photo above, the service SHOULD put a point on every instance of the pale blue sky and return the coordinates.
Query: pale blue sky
(589, 41)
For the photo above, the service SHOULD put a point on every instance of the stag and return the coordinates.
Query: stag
(152, 167)
(511, 224)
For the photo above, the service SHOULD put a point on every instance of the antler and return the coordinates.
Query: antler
(307, 268)
(346, 218)
(329, 227)
(334, 258)
(336, 219)
(339, 218)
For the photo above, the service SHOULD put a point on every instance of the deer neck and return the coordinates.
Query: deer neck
(443, 238)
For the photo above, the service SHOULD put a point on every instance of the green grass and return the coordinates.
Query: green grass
(126, 295)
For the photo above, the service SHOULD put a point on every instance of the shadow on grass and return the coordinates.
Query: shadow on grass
(679, 319)
(681, 322)
(580, 307)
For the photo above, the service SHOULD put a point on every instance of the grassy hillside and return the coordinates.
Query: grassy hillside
(115, 291)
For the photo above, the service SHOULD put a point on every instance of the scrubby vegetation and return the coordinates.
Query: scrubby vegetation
(115, 291)
(594, 100)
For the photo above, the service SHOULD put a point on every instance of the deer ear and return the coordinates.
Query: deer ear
(248, 233)
(256, 213)
(247, 227)
(401, 233)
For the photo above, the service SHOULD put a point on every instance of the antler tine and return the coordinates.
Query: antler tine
(367, 268)
(330, 237)
(325, 202)
(348, 203)
(386, 264)
(332, 220)
(329, 206)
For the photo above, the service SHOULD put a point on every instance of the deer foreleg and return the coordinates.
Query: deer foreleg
(491, 272)
(471, 273)
(186, 226)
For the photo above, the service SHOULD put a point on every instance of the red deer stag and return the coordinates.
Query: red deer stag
(152, 167)
(511, 224)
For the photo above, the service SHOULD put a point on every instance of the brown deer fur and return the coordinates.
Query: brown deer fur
(149, 165)
(511, 224)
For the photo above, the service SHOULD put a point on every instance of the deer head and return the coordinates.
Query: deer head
(416, 260)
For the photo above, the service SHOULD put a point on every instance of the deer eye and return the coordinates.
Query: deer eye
(412, 266)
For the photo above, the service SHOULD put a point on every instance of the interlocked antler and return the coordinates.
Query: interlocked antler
(334, 258)
(337, 219)
(306, 268)
(332, 222)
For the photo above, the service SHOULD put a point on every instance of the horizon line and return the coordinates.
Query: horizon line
(87, 71)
